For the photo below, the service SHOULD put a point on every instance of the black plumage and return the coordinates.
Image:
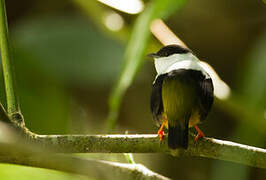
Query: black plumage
(169, 50)
(200, 101)
(156, 104)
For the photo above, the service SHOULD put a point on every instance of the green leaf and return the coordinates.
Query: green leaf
(6, 58)
(164, 8)
(134, 54)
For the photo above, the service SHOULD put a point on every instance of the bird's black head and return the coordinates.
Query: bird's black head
(169, 50)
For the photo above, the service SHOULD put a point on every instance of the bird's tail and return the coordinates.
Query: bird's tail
(178, 135)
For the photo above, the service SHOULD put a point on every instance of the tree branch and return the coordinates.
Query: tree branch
(149, 143)
(17, 149)
(20, 154)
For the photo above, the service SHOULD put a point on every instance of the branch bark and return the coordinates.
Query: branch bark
(25, 150)
(149, 143)
(98, 169)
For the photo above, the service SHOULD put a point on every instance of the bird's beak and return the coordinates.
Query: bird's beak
(153, 55)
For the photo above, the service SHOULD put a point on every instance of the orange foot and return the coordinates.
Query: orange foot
(199, 135)
(160, 133)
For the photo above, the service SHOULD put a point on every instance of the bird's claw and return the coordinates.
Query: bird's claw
(160, 133)
(199, 135)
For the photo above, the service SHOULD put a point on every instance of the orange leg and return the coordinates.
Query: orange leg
(160, 132)
(200, 133)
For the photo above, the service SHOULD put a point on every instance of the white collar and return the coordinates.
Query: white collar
(178, 61)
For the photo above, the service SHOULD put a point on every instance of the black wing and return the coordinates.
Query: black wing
(205, 97)
(156, 103)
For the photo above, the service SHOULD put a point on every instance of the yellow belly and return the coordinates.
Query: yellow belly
(165, 120)
(193, 120)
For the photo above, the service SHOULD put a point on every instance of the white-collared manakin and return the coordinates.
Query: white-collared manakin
(182, 94)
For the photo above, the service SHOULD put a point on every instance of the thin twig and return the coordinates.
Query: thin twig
(164, 34)
(13, 109)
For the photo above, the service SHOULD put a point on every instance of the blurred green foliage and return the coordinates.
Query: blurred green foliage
(60, 58)
(254, 79)
(71, 51)
(13, 172)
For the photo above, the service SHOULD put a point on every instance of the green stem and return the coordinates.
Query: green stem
(13, 109)
(133, 60)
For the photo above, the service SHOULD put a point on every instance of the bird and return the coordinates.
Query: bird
(182, 94)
